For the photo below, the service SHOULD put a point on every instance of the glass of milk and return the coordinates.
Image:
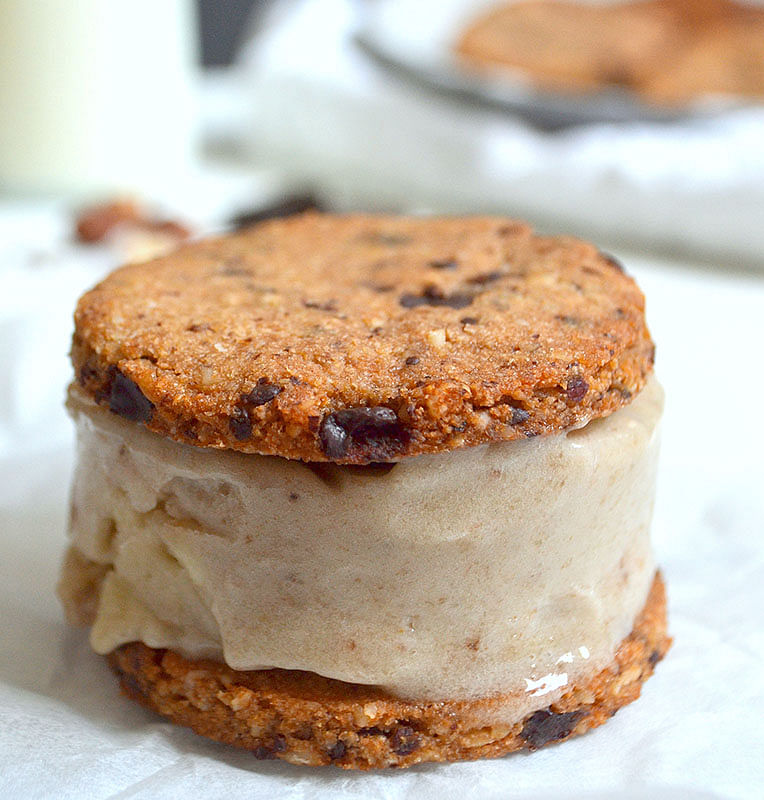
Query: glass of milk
(96, 96)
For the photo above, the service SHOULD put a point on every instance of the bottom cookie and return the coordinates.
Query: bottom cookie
(304, 718)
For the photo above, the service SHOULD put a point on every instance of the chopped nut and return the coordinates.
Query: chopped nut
(437, 338)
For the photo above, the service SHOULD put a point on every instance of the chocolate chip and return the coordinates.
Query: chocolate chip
(329, 305)
(432, 296)
(294, 496)
(189, 432)
(576, 389)
(614, 262)
(519, 415)
(285, 207)
(404, 741)
(545, 726)
(127, 399)
(456, 301)
(486, 278)
(655, 657)
(510, 230)
(263, 753)
(446, 263)
(87, 374)
(131, 686)
(239, 423)
(304, 733)
(371, 731)
(387, 239)
(333, 437)
(411, 300)
(337, 750)
(263, 393)
(369, 434)
(469, 320)
(411, 360)
(232, 271)
(137, 662)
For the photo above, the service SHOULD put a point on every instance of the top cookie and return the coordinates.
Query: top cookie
(360, 339)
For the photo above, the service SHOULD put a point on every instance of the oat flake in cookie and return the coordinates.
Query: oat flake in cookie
(369, 491)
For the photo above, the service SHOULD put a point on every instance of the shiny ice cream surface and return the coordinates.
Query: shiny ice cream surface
(508, 568)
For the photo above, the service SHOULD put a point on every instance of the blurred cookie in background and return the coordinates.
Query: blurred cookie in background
(724, 57)
(669, 52)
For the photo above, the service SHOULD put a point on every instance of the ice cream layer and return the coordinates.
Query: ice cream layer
(512, 567)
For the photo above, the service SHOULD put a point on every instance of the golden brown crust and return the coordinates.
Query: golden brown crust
(303, 718)
(668, 51)
(365, 339)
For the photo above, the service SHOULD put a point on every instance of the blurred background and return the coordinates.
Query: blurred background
(130, 126)
(640, 128)
(221, 34)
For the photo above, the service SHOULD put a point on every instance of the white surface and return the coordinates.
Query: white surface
(697, 731)
(324, 112)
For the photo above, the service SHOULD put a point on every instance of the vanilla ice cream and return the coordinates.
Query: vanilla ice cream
(514, 567)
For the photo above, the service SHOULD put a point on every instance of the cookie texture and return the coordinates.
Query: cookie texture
(303, 718)
(667, 51)
(362, 339)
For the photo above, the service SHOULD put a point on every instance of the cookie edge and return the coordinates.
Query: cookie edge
(302, 718)
(425, 412)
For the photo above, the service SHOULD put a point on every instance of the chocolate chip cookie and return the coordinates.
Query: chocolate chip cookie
(363, 339)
